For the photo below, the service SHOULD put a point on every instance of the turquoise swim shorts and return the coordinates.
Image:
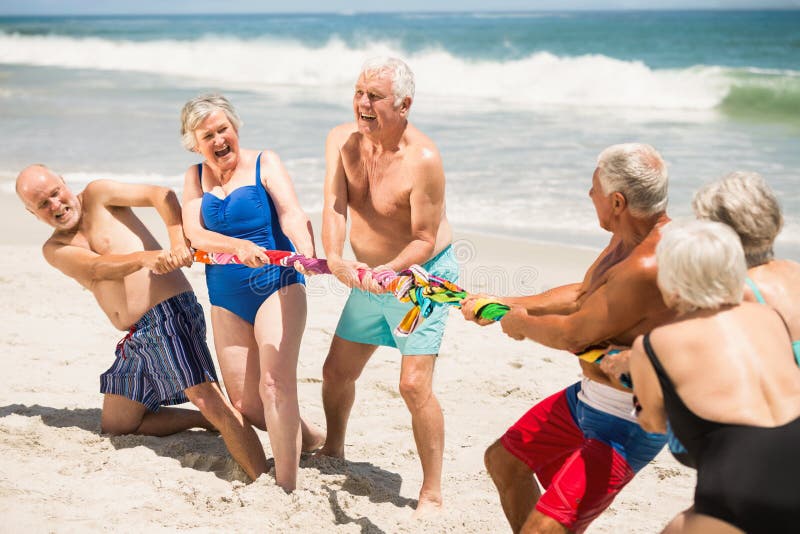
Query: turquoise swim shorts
(371, 319)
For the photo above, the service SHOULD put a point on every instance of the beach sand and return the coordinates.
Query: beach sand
(58, 474)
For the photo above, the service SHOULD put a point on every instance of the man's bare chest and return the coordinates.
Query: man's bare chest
(387, 194)
(109, 231)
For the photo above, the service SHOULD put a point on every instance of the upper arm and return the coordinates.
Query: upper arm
(427, 196)
(647, 389)
(111, 193)
(613, 309)
(335, 191)
(73, 261)
(277, 181)
(192, 200)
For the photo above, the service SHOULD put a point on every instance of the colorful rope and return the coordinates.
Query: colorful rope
(414, 285)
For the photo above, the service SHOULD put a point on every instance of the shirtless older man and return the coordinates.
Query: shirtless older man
(388, 177)
(163, 360)
(583, 443)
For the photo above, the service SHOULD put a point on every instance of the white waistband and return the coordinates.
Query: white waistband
(607, 399)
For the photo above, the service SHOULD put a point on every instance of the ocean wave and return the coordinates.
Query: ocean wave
(537, 81)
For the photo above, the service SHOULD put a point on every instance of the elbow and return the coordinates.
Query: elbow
(573, 340)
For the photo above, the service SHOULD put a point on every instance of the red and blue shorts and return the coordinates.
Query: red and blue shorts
(582, 456)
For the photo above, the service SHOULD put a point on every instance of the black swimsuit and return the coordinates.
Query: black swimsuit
(747, 476)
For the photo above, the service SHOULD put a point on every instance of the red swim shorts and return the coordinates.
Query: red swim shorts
(580, 476)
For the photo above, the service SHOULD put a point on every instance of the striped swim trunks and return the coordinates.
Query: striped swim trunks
(164, 353)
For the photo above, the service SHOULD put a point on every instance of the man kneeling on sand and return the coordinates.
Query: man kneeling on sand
(164, 359)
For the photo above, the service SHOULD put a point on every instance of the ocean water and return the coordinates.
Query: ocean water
(520, 104)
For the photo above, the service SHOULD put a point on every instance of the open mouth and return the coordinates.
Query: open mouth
(61, 215)
(367, 117)
(224, 151)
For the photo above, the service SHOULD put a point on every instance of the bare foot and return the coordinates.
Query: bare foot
(313, 437)
(330, 452)
(427, 506)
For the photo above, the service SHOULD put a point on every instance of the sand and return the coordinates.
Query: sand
(59, 474)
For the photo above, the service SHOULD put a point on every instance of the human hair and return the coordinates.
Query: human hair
(743, 201)
(401, 75)
(197, 109)
(638, 172)
(700, 265)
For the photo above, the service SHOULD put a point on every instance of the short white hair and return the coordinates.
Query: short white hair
(743, 201)
(197, 109)
(401, 75)
(637, 171)
(700, 265)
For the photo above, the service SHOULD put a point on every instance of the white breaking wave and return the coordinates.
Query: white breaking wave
(78, 180)
(538, 80)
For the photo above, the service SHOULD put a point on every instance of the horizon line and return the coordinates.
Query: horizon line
(346, 12)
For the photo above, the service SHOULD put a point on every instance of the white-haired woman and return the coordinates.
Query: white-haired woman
(744, 201)
(242, 201)
(724, 374)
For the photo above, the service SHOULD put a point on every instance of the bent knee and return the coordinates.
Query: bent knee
(208, 398)
(490, 455)
(415, 392)
(337, 371)
(502, 465)
(273, 389)
(539, 523)
(118, 428)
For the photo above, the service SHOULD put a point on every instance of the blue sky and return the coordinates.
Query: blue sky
(59, 7)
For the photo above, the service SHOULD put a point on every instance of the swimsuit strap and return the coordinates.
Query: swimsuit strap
(754, 288)
(651, 355)
(795, 344)
(760, 299)
(258, 169)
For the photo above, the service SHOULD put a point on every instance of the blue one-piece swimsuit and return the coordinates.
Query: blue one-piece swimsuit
(246, 213)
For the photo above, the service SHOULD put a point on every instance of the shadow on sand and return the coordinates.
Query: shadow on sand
(362, 479)
(196, 449)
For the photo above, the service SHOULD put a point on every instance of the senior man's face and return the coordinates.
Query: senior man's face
(373, 103)
(45, 194)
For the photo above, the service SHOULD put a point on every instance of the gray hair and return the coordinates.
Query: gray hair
(402, 77)
(197, 109)
(637, 171)
(743, 201)
(701, 264)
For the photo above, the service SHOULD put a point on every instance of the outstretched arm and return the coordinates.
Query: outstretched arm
(163, 199)
(612, 309)
(88, 267)
(293, 219)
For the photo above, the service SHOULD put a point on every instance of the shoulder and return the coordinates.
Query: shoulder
(270, 157)
(193, 170)
(422, 152)
(98, 187)
(52, 245)
(637, 270)
(340, 134)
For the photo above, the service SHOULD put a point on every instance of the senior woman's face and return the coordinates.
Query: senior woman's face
(217, 140)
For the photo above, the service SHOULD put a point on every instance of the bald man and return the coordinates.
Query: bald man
(163, 359)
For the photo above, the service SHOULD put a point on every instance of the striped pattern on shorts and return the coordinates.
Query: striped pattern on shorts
(164, 353)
